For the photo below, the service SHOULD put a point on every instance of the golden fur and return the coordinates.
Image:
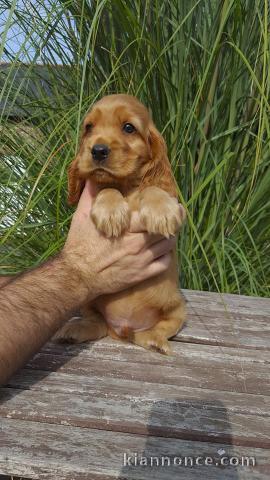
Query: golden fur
(136, 176)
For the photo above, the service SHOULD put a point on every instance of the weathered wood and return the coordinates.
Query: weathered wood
(54, 451)
(188, 419)
(224, 319)
(109, 349)
(206, 373)
(234, 303)
(227, 329)
(105, 387)
(209, 331)
(73, 411)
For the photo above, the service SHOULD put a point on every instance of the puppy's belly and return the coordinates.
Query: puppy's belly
(143, 306)
(127, 320)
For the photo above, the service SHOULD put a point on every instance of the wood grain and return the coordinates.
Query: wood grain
(233, 303)
(108, 349)
(114, 388)
(206, 373)
(73, 411)
(186, 419)
(228, 320)
(61, 452)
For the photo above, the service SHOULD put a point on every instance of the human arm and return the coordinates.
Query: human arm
(34, 305)
(5, 279)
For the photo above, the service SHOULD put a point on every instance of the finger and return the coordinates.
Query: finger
(134, 243)
(159, 249)
(160, 265)
(87, 197)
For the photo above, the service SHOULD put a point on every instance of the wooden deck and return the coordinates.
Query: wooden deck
(86, 412)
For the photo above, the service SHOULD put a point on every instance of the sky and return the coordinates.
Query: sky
(14, 36)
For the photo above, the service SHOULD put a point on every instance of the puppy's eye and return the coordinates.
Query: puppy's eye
(88, 127)
(129, 128)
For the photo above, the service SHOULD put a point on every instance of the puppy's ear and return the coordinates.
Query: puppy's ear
(158, 169)
(75, 183)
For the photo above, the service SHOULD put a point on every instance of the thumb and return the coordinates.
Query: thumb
(87, 197)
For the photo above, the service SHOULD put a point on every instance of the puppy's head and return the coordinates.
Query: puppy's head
(121, 148)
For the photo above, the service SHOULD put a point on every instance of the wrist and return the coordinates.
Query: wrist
(77, 286)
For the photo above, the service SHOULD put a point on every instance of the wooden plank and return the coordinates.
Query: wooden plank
(225, 319)
(63, 452)
(205, 371)
(74, 392)
(223, 378)
(227, 329)
(109, 349)
(186, 419)
(114, 388)
(234, 303)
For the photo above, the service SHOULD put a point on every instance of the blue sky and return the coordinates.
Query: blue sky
(15, 39)
(14, 36)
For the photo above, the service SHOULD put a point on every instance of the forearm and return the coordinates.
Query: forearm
(32, 308)
(4, 279)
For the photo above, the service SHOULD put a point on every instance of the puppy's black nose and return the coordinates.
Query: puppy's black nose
(100, 152)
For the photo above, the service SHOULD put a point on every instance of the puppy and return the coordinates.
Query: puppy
(124, 154)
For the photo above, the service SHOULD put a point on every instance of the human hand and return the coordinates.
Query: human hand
(104, 265)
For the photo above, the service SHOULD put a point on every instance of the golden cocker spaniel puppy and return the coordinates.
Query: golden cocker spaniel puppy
(122, 151)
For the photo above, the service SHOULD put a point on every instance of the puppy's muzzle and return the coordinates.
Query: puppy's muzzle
(100, 153)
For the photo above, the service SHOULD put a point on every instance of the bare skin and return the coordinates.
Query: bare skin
(35, 304)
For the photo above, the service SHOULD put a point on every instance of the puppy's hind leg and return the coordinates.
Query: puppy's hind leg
(156, 338)
(91, 326)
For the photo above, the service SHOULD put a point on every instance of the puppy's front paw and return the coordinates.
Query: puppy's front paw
(111, 219)
(162, 217)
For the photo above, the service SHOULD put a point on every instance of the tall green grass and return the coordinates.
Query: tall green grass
(202, 67)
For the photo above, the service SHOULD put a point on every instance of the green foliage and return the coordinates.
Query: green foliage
(202, 67)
